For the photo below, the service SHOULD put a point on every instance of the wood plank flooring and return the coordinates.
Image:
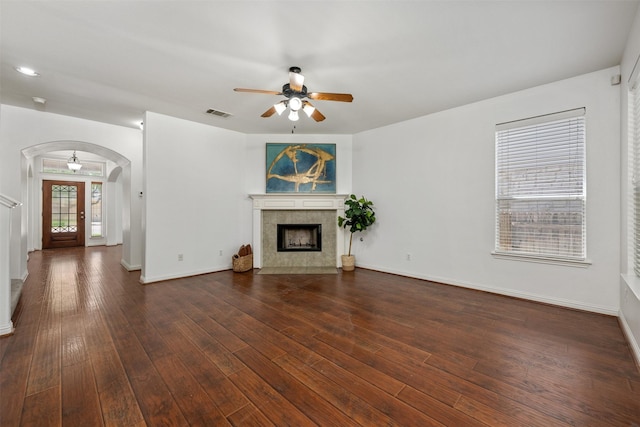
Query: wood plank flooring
(94, 347)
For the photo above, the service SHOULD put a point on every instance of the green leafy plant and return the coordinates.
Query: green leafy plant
(358, 216)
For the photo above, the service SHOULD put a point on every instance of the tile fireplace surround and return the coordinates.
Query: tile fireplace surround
(296, 208)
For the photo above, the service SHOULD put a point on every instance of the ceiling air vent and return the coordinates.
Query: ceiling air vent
(218, 113)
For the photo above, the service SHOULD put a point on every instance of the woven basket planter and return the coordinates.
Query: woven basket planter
(242, 263)
(243, 260)
(348, 263)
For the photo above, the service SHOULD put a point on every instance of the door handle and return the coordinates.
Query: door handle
(82, 215)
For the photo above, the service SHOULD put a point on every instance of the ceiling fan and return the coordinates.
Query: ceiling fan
(296, 93)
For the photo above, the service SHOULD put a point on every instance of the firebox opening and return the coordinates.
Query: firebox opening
(299, 237)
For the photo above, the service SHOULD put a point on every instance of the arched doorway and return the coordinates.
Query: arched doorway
(116, 188)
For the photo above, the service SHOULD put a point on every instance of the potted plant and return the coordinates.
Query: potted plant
(358, 216)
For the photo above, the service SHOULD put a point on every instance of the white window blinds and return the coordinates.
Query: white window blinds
(540, 186)
(634, 129)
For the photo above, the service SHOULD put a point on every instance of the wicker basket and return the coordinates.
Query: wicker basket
(348, 262)
(243, 260)
(242, 263)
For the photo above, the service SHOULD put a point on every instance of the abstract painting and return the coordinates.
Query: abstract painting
(301, 168)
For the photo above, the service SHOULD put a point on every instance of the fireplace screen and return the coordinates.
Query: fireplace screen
(299, 237)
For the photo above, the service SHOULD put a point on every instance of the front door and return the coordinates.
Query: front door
(62, 214)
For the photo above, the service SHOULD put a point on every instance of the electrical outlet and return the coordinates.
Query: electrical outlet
(408, 257)
(180, 257)
(220, 253)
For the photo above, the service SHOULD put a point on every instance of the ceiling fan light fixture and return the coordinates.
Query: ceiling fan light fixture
(73, 163)
(308, 109)
(280, 107)
(296, 80)
(295, 103)
(295, 94)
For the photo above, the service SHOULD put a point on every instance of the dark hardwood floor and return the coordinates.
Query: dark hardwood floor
(94, 347)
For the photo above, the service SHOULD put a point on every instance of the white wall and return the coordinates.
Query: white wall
(432, 181)
(629, 283)
(195, 201)
(23, 128)
(197, 182)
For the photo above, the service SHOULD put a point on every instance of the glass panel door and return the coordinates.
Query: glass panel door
(62, 214)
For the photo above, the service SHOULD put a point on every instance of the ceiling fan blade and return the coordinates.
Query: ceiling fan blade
(324, 96)
(269, 112)
(314, 114)
(266, 92)
(296, 80)
(317, 115)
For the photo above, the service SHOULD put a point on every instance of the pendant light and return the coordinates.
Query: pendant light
(73, 163)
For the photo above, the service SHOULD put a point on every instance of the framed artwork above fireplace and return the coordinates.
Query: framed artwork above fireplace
(301, 168)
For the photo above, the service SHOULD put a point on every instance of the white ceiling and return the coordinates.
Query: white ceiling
(111, 60)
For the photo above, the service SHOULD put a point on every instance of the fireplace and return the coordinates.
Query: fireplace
(300, 211)
(299, 237)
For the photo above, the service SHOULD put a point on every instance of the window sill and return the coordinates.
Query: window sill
(633, 283)
(542, 260)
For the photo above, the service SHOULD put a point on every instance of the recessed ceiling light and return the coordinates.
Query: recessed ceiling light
(27, 71)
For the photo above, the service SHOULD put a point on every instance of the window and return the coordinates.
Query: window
(59, 166)
(96, 209)
(64, 208)
(540, 187)
(634, 142)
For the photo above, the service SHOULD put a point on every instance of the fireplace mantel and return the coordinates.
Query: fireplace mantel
(295, 201)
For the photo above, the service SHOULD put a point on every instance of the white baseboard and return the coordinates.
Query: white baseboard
(635, 348)
(611, 311)
(130, 267)
(147, 280)
(6, 329)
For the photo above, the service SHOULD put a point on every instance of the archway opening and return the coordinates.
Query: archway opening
(115, 186)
